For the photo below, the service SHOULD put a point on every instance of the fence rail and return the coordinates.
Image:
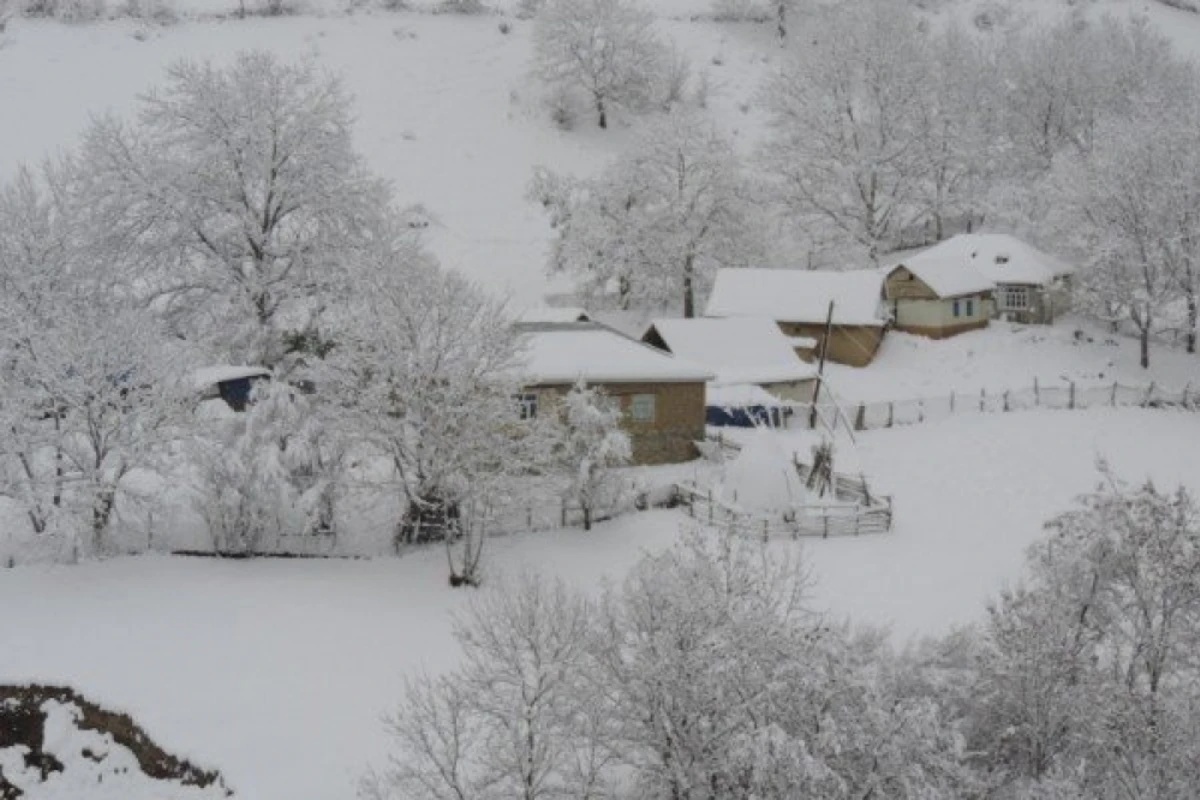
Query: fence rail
(1067, 396)
(845, 516)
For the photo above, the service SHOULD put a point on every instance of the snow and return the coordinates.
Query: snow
(739, 350)
(794, 295)
(563, 354)
(947, 277)
(548, 314)
(1007, 356)
(277, 672)
(972, 262)
(211, 376)
(762, 478)
(112, 773)
(739, 395)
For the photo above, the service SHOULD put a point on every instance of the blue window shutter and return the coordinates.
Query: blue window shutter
(956, 308)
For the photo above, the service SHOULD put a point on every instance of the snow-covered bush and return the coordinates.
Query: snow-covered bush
(266, 479)
(66, 10)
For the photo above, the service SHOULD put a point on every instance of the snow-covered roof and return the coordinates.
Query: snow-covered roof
(739, 350)
(796, 295)
(739, 395)
(567, 352)
(998, 257)
(211, 376)
(553, 314)
(947, 277)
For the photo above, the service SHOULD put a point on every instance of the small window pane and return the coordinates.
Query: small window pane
(956, 308)
(527, 405)
(641, 408)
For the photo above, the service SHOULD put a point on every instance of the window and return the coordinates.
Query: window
(641, 408)
(971, 307)
(956, 308)
(527, 405)
(1014, 298)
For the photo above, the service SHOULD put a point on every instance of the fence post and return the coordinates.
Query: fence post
(710, 506)
(951, 401)
(1071, 397)
(860, 418)
(1037, 394)
(825, 523)
(1114, 394)
(529, 517)
(766, 530)
(982, 399)
(1006, 408)
(1149, 395)
(891, 413)
(1186, 386)
(921, 410)
(564, 514)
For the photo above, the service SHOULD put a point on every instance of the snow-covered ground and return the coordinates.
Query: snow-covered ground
(276, 672)
(1004, 356)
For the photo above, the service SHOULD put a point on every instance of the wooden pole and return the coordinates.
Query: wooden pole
(1149, 395)
(860, 418)
(1037, 395)
(812, 418)
(951, 401)
(1006, 408)
(1114, 394)
(982, 399)
(1071, 397)
(891, 413)
(766, 530)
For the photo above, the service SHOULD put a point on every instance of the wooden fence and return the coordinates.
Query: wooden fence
(1065, 396)
(842, 517)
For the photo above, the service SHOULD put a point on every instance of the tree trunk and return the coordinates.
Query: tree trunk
(1145, 342)
(781, 19)
(689, 287)
(602, 112)
(587, 517)
(101, 514)
(1193, 313)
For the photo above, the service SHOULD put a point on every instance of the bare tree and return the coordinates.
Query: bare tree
(605, 49)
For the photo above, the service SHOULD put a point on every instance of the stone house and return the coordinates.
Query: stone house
(740, 351)
(661, 396)
(1028, 285)
(798, 301)
(936, 298)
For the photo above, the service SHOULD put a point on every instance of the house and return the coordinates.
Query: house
(937, 297)
(1029, 286)
(661, 396)
(740, 351)
(233, 384)
(798, 301)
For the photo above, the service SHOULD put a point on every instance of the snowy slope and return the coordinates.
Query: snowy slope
(277, 672)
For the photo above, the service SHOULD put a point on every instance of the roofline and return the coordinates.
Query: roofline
(545, 383)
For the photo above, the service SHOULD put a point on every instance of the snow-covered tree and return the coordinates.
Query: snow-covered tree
(1088, 676)
(593, 443)
(846, 131)
(238, 201)
(88, 388)
(606, 50)
(657, 223)
(506, 723)
(427, 365)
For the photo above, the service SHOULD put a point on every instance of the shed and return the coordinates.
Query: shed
(798, 301)
(661, 396)
(233, 384)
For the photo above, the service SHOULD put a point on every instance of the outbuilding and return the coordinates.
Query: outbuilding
(798, 301)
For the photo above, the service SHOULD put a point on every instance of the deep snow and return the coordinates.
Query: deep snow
(276, 672)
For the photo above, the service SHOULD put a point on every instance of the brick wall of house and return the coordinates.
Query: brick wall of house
(678, 418)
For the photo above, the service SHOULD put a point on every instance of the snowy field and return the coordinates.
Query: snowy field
(1004, 356)
(277, 672)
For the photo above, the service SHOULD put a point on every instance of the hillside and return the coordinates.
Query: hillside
(445, 108)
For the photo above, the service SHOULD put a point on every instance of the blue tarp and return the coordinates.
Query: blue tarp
(744, 416)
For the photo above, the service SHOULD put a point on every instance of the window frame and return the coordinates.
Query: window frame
(527, 405)
(644, 397)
